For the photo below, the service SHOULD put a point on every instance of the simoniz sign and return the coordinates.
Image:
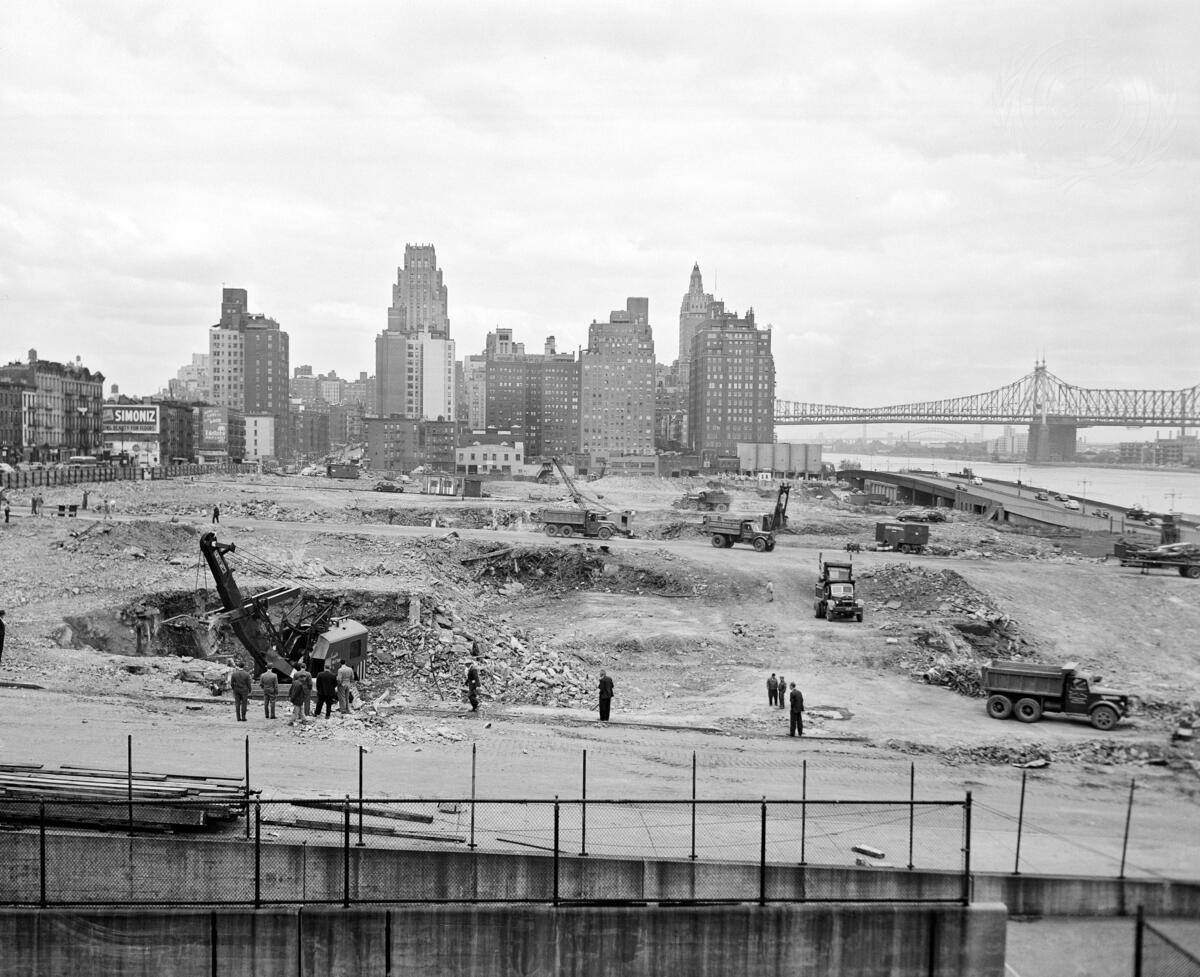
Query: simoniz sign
(139, 419)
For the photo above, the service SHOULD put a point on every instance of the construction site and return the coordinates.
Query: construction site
(125, 624)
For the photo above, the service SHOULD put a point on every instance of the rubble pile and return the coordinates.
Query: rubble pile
(514, 569)
(427, 656)
(1035, 755)
(970, 629)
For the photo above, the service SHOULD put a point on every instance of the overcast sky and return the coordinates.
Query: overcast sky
(920, 198)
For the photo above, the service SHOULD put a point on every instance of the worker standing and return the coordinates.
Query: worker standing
(270, 689)
(782, 698)
(239, 682)
(606, 695)
(796, 698)
(1, 636)
(772, 690)
(303, 678)
(298, 697)
(345, 686)
(326, 691)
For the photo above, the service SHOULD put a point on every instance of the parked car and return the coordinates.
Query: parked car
(921, 515)
(1042, 497)
(1062, 498)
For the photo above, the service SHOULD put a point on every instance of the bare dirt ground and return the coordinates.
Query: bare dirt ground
(689, 633)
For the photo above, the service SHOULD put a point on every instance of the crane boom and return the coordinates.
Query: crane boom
(578, 497)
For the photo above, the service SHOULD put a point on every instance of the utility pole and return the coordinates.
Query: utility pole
(1171, 496)
(1084, 483)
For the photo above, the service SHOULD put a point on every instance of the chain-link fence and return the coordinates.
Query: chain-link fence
(1157, 954)
(365, 850)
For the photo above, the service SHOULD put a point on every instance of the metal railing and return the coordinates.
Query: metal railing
(346, 851)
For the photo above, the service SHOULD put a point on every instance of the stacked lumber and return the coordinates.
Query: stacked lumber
(88, 797)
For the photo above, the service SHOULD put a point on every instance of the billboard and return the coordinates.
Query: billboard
(214, 427)
(120, 419)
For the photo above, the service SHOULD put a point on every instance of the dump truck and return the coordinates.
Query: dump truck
(724, 532)
(1026, 691)
(835, 597)
(706, 500)
(905, 537)
(589, 517)
(568, 521)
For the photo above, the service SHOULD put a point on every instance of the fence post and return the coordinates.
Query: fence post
(129, 778)
(693, 805)
(583, 811)
(966, 883)
(762, 858)
(472, 844)
(42, 853)
(555, 896)
(1020, 824)
(803, 809)
(257, 853)
(912, 809)
(361, 843)
(247, 786)
(1139, 936)
(346, 853)
(1128, 818)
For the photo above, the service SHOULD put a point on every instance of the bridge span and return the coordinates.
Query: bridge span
(1052, 408)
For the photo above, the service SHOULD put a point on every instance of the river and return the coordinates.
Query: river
(1159, 490)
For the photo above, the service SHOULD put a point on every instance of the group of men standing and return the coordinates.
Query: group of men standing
(782, 693)
(331, 686)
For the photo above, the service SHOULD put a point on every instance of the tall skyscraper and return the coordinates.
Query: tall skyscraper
(616, 403)
(248, 358)
(732, 385)
(693, 311)
(536, 394)
(419, 299)
(414, 356)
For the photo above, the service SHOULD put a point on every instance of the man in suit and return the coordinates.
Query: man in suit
(796, 700)
(606, 694)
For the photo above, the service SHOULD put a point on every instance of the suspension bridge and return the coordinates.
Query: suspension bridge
(1053, 409)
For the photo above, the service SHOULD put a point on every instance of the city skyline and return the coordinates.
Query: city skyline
(957, 191)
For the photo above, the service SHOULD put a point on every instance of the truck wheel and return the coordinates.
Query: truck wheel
(858, 617)
(604, 532)
(718, 540)
(1192, 573)
(770, 547)
(819, 608)
(1028, 710)
(722, 507)
(551, 529)
(903, 547)
(565, 531)
(760, 544)
(999, 706)
(1104, 717)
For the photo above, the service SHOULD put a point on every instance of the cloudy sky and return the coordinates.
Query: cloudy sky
(920, 198)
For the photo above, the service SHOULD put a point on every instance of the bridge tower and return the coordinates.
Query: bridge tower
(1052, 435)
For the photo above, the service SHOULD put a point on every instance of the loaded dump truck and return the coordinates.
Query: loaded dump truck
(1026, 691)
(753, 532)
(591, 523)
(706, 500)
(906, 537)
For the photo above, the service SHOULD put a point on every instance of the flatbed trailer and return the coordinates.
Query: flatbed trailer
(1186, 567)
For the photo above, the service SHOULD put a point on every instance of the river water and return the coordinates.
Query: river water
(1159, 489)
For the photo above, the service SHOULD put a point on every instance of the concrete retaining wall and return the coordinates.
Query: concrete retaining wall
(114, 869)
(457, 941)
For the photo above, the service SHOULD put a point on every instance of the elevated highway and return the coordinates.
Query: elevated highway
(999, 501)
